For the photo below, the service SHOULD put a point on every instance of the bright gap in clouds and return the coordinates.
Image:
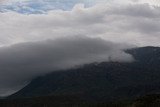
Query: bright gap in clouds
(42, 6)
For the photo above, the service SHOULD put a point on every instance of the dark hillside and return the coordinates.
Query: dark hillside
(104, 81)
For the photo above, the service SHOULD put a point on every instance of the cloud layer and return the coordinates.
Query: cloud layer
(34, 44)
(135, 24)
(42, 6)
(21, 62)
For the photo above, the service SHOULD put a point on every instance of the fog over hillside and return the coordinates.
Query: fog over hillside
(37, 37)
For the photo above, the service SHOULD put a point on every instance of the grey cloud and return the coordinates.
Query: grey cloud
(21, 62)
(120, 24)
(137, 10)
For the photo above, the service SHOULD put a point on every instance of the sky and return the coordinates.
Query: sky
(40, 36)
(40, 6)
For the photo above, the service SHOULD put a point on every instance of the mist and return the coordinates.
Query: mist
(36, 44)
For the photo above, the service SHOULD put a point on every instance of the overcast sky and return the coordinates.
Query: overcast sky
(39, 36)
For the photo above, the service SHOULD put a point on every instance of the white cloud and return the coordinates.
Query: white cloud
(151, 2)
(135, 24)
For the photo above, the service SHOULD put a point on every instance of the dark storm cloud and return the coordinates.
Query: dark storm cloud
(21, 62)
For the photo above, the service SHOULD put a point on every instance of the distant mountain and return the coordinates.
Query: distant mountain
(107, 81)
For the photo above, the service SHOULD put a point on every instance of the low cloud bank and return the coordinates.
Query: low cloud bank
(21, 62)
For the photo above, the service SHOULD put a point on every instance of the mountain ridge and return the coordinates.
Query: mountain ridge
(102, 81)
